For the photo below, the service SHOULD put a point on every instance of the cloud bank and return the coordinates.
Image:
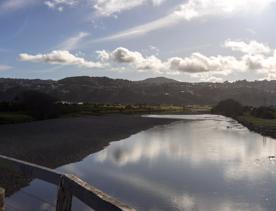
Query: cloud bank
(256, 57)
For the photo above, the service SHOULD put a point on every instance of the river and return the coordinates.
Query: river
(198, 162)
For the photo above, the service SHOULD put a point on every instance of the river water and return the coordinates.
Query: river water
(198, 162)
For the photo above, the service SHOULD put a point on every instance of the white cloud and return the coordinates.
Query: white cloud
(213, 79)
(265, 65)
(199, 8)
(60, 4)
(199, 63)
(61, 58)
(136, 59)
(102, 7)
(111, 7)
(13, 5)
(5, 67)
(123, 55)
(72, 42)
(103, 55)
(253, 47)
(255, 58)
(196, 9)
(166, 21)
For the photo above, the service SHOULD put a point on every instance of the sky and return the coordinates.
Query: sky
(187, 40)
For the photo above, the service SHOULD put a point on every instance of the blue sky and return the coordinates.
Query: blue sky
(188, 40)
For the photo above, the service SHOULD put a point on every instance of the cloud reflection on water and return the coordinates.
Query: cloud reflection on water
(198, 143)
(211, 163)
(240, 155)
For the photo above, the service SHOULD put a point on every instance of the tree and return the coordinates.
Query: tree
(228, 107)
(39, 105)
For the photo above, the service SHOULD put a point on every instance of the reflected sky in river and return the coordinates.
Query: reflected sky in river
(199, 162)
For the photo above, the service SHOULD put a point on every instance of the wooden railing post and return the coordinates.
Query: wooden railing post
(2, 199)
(68, 186)
(64, 198)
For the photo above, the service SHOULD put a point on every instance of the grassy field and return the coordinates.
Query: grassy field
(76, 110)
(13, 117)
(260, 121)
(128, 109)
(198, 108)
(92, 109)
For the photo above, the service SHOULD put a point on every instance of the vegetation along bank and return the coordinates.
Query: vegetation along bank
(261, 119)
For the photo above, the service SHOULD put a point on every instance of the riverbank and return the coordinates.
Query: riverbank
(57, 142)
(266, 127)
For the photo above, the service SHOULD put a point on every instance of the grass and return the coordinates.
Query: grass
(12, 118)
(76, 110)
(260, 121)
(118, 108)
(125, 109)
(199, 108)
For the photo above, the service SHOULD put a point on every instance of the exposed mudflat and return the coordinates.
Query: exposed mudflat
(56, 142)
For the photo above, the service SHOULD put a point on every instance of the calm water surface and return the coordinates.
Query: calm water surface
(199, 162)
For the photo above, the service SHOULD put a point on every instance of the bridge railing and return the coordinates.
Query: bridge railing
(68, 186)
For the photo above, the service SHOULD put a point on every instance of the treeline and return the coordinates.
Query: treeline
(40, 106)
(232, 108)
(36, 104)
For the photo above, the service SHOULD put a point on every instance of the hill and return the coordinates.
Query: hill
(149, 91)
(158, 81)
